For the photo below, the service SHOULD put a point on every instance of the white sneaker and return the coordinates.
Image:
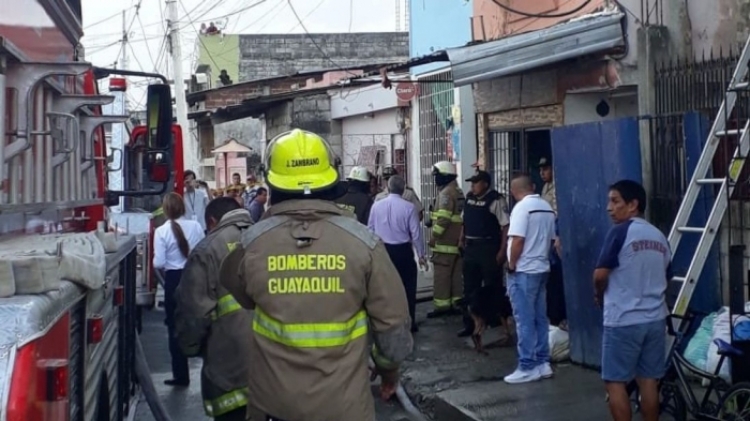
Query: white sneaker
(545, 371)
(523, 376)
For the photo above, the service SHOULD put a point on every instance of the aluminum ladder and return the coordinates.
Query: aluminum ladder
(701, 178)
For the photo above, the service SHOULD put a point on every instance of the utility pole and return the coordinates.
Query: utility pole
(190, 146)
(124, 43)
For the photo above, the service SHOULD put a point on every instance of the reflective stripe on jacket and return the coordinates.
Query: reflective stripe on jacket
(210, 323)
(447, 220)
(319, 282)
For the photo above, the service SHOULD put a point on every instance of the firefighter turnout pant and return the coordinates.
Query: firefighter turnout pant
(448, 282)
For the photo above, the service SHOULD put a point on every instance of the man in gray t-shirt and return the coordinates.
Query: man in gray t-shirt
(630, 283)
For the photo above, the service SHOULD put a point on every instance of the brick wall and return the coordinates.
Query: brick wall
(263, 56)
(235, 94)
(311, 112)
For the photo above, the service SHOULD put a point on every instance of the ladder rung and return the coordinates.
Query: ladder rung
(678, 279)
(741, 85)
(709, 180)
(733, 132)
(697, 230)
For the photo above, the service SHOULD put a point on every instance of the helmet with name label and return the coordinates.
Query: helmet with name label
(299, 161)
(444, 168)
(359, 174)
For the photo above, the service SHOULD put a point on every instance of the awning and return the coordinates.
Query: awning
(596, 33)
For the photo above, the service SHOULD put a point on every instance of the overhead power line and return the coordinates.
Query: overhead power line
(312, 39)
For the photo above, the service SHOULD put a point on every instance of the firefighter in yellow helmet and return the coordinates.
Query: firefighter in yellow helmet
(318, 281)
(445, 233)
(357, 198)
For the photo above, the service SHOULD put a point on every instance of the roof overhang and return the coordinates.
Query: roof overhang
(591, 34)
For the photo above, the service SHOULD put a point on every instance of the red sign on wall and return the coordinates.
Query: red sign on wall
(406, 91)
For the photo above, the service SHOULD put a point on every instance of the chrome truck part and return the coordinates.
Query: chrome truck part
(25, 78)
(67, 152)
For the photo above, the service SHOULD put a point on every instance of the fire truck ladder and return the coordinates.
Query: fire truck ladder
(54, 171)
(719, 133)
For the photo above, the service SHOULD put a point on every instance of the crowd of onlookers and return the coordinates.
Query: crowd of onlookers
(251, 195)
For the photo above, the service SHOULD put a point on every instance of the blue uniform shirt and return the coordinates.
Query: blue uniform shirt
(638, 256)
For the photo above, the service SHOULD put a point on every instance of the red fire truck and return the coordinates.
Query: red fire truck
(67, 352)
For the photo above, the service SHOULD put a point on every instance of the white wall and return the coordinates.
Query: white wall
(358, 101)
(464, 100)
(581, 108)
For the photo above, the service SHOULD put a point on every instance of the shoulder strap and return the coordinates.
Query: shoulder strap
(353, 227)
(256, 230)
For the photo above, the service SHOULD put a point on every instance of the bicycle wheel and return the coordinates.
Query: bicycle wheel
(735, 403)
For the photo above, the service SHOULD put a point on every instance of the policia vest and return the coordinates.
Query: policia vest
(479, 221)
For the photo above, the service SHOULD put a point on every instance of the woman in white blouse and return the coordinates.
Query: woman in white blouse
(173, 242)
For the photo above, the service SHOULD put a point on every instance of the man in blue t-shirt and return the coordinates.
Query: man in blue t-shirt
(630, 282)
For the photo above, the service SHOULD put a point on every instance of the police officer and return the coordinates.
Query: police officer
(556, 310)
(484, 236)
(409, 193)
(357, 198)
(446, 223)
(318, 282)
(209, 322)
(548, 190)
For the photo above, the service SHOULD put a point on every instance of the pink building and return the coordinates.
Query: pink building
(230, 159)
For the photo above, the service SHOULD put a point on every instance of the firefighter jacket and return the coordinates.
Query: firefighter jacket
(357, 202)
(210, 323)
(320, 284)
(409, 195)
(446, 219)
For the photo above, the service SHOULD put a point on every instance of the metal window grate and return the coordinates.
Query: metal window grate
(504, 158)
(435, 102)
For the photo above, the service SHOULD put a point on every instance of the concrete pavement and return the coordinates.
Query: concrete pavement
(450, 381)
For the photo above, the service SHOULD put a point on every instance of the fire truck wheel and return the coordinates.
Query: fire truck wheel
(102, 401)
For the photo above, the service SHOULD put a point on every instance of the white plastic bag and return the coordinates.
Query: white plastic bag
(720, 331)
(559, 344)
(697, 349)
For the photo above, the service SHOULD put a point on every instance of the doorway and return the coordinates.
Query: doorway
(510, 152)
(538, 145)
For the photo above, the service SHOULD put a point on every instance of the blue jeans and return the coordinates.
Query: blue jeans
(528, 295)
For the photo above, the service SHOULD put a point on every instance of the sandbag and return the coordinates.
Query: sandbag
(38, 263)
(7, 280)
(559, 344)
(83, 260)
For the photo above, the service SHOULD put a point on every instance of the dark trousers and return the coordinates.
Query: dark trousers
(236, 415)
(402, 257)
(180, 370)
(556, 296)
(480, 268)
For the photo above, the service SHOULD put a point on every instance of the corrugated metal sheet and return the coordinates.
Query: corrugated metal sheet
(586, 35)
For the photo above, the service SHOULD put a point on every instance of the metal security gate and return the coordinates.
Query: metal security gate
(435, 102)
(504, 158)
(683, 86)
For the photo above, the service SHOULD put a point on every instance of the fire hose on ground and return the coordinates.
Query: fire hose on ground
(143, 374)
(147, 384)
(403, 399)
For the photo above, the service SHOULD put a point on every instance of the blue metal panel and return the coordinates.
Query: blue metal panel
(588, 158)
(706, 297)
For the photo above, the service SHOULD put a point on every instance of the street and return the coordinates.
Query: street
(186, 404)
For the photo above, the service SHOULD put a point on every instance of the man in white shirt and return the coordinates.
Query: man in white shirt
(531, 232)
(196, 200)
